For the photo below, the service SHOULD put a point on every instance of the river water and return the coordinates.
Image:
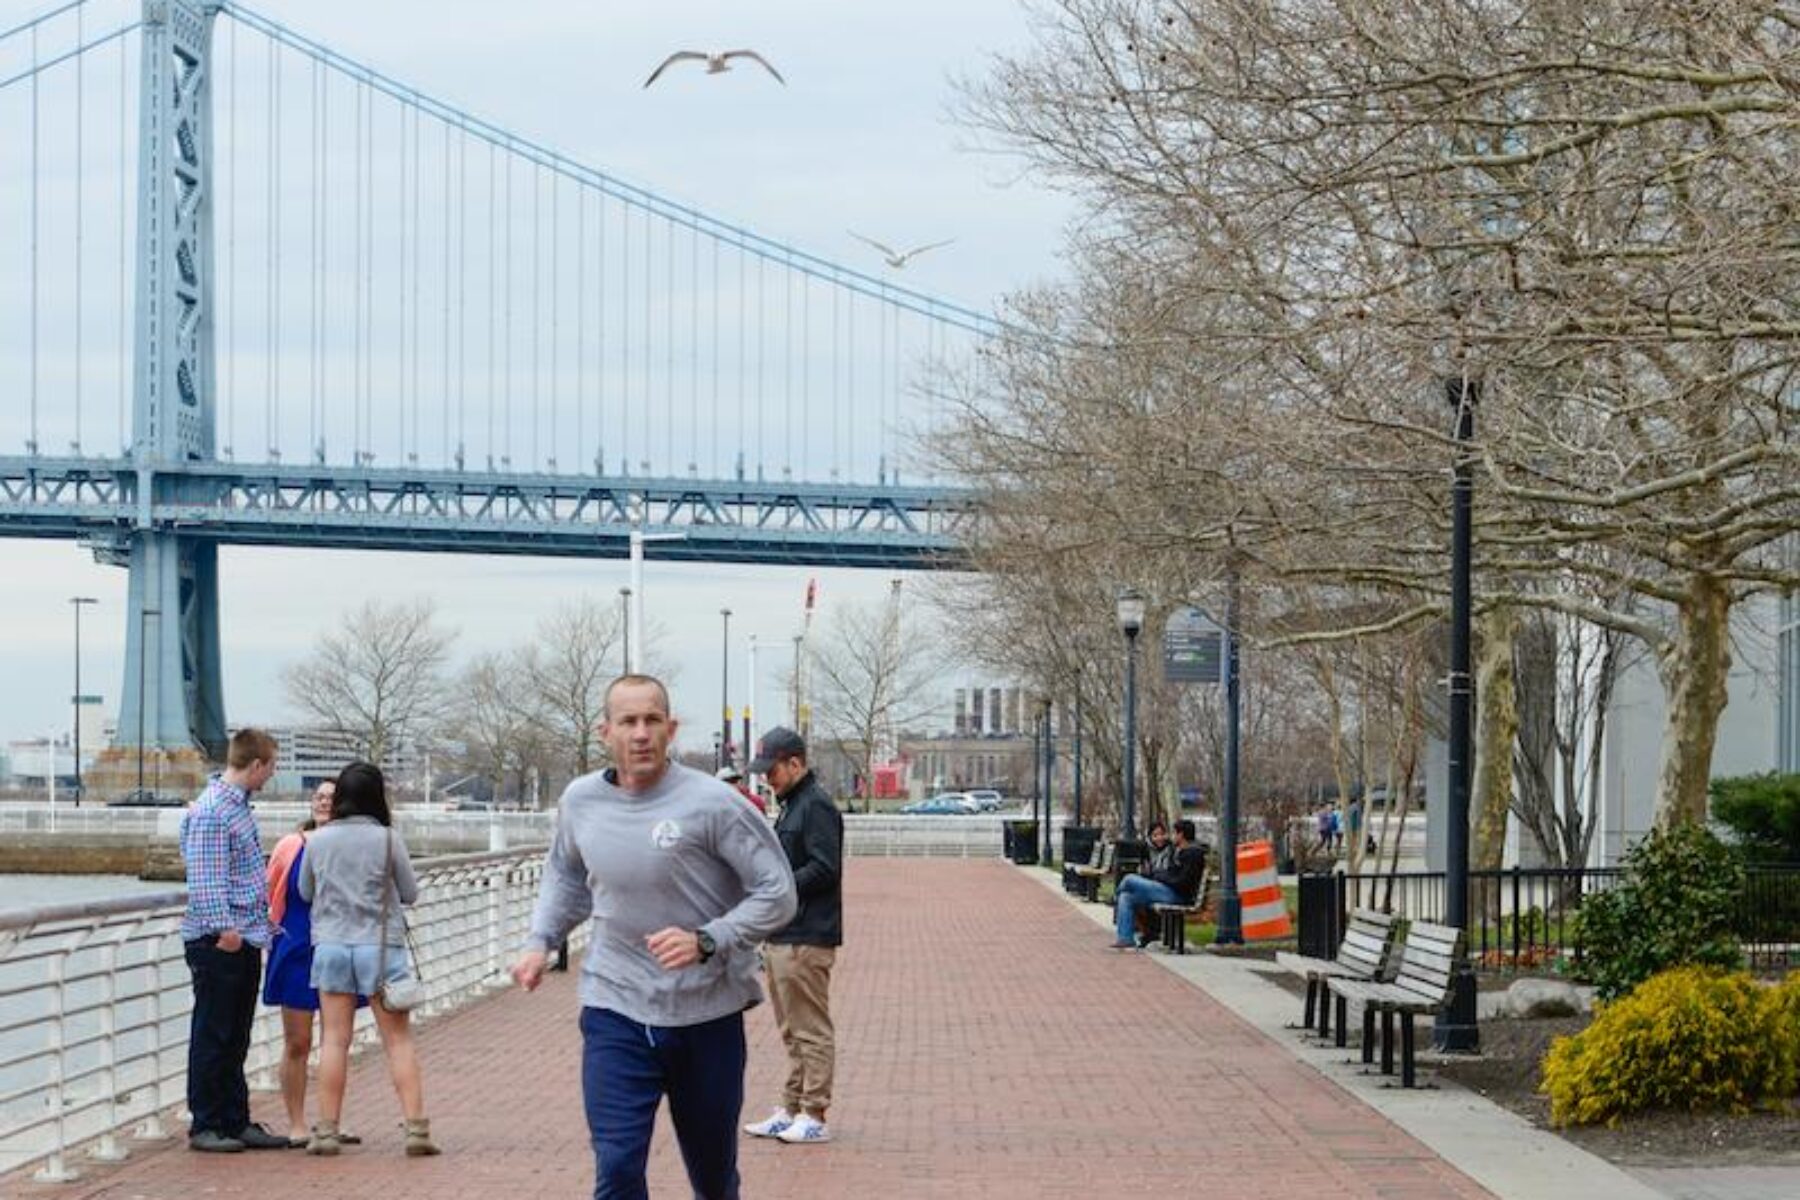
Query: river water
(38, 891)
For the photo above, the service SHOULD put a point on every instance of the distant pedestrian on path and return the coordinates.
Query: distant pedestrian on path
(287, 984)
(357, 875)
(1178, 885)
(734, 777)
(799, 959)
(223, 934)
(682, 880)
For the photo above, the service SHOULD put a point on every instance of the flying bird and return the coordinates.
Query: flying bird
(895, 258)
(716, 64)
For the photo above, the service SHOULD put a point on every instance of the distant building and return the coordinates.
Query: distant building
(310, 755)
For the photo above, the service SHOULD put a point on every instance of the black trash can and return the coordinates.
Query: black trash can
(1321, 918)
(1023, 836)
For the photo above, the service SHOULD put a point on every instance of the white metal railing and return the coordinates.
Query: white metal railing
(881, 835)
(421, 826)
(95, 1003)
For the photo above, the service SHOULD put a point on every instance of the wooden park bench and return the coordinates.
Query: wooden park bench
(1089, 874)
(1365, 954)
(1172, 918)
(1421, 987)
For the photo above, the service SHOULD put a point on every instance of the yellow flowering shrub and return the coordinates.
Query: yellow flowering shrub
(1692, 1039)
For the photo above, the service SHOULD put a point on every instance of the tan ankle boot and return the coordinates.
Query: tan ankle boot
(418, 1139)
(325, 1139)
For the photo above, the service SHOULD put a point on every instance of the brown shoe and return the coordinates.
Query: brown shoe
(418, 1139)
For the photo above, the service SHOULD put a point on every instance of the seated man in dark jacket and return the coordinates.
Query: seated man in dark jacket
(1178, 883)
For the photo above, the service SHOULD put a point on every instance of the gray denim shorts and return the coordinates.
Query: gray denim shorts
(351, 970)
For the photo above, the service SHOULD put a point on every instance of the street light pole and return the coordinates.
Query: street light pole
(1049, 773)
(625, 624)
(144, 615)
(77, 602)
(724, 755)
(1231, 905)
(1131, 622)
(1455, 1029)
(1078, 750)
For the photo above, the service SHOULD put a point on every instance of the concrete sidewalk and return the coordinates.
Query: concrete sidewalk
(991, 1046)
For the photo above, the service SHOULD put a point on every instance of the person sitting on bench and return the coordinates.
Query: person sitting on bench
(1162, 855)
(1177, 884)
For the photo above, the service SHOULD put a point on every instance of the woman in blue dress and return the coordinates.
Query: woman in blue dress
(287, 979)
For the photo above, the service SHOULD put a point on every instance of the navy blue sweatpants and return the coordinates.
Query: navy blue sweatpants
(627, 1068)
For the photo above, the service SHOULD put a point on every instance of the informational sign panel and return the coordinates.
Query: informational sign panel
(1193, 648)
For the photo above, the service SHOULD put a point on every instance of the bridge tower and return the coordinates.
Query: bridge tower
(172, 664)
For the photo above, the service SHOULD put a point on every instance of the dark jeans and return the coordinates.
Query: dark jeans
(627, 1068)
(225, 988)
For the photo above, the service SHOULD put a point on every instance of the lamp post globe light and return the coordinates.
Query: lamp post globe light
(1131, 607)
(77, 602)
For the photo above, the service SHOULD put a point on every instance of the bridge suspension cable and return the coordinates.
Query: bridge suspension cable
(623, 362)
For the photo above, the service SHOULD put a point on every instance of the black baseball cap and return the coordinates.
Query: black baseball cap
(777, 744)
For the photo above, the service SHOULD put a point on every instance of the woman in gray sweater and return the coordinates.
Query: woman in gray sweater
(351, 866)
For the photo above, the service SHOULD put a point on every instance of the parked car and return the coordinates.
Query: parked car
(950, 804)
(988, 799)
(145, 798)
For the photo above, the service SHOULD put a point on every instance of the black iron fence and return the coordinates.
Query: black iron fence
(1528, 918)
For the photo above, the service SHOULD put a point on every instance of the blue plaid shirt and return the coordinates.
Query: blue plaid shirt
(227, 888)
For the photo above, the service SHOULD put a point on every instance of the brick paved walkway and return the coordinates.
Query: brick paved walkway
(990, 1046)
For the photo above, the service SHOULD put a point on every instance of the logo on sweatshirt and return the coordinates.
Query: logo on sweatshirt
(666, 835)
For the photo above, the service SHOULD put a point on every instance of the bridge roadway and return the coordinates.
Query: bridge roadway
(102, 500)
(991, 1046)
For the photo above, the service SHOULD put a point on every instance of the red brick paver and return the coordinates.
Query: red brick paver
(990, 1046)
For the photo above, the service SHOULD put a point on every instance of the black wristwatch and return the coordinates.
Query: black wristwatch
(704, 941)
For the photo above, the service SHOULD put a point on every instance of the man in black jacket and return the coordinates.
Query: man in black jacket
(1179, 883)
(799, 958)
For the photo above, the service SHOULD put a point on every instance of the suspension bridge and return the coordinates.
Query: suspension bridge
(258, 292)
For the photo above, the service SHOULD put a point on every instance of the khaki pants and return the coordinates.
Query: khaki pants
(800, 989)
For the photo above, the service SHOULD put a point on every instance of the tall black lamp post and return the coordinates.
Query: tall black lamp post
(1131, 623)
(1231, 905)
(1455, 1029)
(76, 602)
(1077, 763)
(724, 754)
(1049, 772)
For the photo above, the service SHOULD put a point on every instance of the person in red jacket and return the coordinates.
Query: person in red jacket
(735, 778)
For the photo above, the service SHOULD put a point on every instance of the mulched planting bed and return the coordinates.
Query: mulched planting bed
(1507, 1073)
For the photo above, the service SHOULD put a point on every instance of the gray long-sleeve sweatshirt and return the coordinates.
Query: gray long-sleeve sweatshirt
(343, 874)
(686, 853)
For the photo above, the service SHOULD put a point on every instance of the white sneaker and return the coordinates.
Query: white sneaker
(805, 1128)
(774, 1125)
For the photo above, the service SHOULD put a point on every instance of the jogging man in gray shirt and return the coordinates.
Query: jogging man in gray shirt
(682, 879)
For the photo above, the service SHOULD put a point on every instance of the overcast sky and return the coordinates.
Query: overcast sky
(860, 138)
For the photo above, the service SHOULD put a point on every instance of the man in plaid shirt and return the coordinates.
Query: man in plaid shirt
(225, 931)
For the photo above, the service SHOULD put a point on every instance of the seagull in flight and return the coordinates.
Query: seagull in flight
(895, 258)
(716, 64)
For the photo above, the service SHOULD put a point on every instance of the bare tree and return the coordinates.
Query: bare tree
(377, 679)
(1309, 216)
(499, 721)
(574, 655)
(874, 673)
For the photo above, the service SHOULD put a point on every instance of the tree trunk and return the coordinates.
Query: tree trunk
(1496, 732)
(1693, 665)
